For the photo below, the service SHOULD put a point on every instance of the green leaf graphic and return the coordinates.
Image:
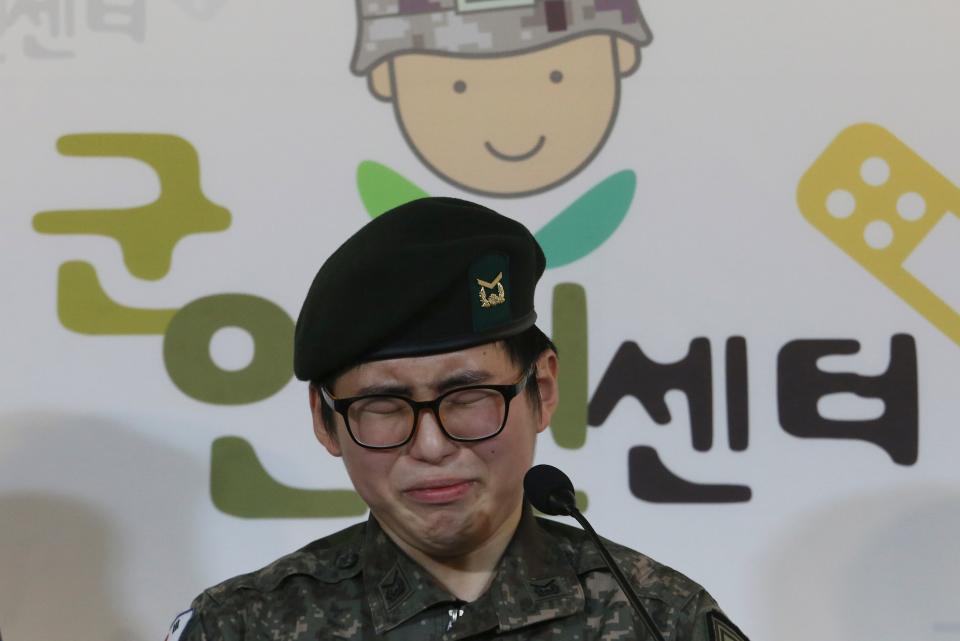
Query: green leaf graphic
(589, 221)
(382, 189)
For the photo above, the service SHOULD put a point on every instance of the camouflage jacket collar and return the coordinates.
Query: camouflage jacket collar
(536, 580)
(397, 587)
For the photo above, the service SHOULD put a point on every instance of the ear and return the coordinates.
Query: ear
(380, 80)
(627, 55)
(547, 371)
(327, 438)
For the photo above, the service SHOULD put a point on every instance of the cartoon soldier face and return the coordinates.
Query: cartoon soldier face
(501, 97)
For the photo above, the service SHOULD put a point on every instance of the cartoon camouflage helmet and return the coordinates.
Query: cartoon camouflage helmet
(485, 27)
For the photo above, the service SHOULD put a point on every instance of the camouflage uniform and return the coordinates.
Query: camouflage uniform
(486, 27)
(550, 584)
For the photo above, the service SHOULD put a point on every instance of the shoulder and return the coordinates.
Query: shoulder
(649, 578)
(323, 567)
(329, 560)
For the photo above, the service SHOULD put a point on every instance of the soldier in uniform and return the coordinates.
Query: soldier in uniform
(501, 97)
(429, 378)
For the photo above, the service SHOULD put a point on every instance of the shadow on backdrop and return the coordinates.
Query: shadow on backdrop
(94, 516)
(882, 567)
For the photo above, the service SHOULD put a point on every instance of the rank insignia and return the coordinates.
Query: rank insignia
(491, 305)
(394, 587)
(546, 588)
(721, 629)
(493, 299)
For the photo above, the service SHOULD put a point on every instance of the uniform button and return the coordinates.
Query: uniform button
(347, 560)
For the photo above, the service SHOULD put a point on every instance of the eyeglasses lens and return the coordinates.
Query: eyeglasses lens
(470, 414)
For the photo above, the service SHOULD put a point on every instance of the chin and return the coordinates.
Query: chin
(451, 533)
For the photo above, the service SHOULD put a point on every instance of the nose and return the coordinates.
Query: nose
(429, 443)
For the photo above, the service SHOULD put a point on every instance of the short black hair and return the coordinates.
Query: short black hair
(522, 349)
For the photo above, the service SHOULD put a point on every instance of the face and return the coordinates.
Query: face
(439, 496)
(509, 125)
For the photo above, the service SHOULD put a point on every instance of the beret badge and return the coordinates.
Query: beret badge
(491, 305)
(493, 299)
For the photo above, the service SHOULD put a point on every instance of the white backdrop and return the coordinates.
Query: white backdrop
(107, 522)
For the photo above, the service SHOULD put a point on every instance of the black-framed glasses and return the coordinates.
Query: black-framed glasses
(465, 414)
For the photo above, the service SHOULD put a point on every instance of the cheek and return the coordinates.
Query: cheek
(448, 133)
(369, 472)
(441, 131)
(590, 103)
(424, 100)
(420, 104)
(510, 455)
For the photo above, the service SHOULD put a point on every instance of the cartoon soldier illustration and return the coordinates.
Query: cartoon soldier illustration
(503, 98)
(508, 99)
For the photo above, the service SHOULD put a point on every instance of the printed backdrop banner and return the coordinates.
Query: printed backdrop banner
(750, 216)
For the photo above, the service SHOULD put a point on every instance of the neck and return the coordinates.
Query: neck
(466, 575)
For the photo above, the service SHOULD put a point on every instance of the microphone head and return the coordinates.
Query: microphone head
(549, 490)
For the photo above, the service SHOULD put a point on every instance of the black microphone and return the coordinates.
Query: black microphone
(550, 491)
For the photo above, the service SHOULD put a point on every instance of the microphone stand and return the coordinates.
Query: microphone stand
(617, 574)
(551, 492)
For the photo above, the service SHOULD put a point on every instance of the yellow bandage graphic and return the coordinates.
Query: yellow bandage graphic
(878, 200)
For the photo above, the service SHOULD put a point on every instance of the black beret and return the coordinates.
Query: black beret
(433, 275)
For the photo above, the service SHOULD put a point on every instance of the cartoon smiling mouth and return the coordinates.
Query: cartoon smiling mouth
(515, 157)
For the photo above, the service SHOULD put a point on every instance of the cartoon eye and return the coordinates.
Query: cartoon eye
(556, 76)
(459, 86)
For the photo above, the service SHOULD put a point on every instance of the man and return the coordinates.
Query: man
(501, 97)
(430, 380)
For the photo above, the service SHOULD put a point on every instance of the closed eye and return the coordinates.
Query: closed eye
(382, 406)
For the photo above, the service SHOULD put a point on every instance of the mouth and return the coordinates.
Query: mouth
(440, 491)
(496, 153)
